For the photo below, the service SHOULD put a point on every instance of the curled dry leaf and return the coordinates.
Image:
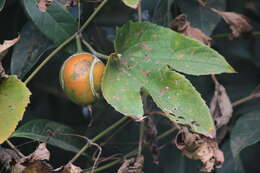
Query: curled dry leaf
(8, 43)
(198, 147)
(8, 158)
(238, 23)
(42, 5)
(151, 138)
(70, 168)
(133, 165)
(69, 3)
(221, 106)
(34, 162)
(183, 26)
(2, 71)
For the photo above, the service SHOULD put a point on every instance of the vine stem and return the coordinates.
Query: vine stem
(65, 42)
(100, 135)
(14, 148)
(131, 153)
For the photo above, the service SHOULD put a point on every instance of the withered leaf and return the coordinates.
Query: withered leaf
(37, 166)
(42, 5)
(2, 71)
(69, 3)
(8, 43)
(150, 134)
(8, 158)
(133, 165)
(69, 168)
(238, 23)
(198, 147)
(182, 25)
(221, 106)
(41, 153)
(34, 162)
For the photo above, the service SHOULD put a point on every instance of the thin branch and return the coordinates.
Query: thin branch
(15, 149)
(93, 51)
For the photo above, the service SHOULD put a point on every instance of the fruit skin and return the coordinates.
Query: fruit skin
(80, 78)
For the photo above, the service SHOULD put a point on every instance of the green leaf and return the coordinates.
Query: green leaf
(51, 133)
(145, 52)
(131, 3)
(2, 4)
(246, 132)
(162, 12)
(30, 48)
(56, 23)
(14, 97)
(201, 17)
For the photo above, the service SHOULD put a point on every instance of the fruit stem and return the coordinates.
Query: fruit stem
(78, 43)
(65, 42)
(100, 135)
(93, 51)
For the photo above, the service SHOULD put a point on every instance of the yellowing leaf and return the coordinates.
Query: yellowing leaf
(14, 97)
(131, 3)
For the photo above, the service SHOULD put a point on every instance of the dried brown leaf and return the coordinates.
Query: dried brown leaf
(34, 162)
(70, 168)
(150, 134)
(133, 165)
(41, 153)
(2, 71)
(42, 5)
(69, 3)
(8, 43)
(221, 106)
(182, 25)
(8, 158)
(238, 23)
(198, 147)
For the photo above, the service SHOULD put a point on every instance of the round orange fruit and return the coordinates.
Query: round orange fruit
(80, 78)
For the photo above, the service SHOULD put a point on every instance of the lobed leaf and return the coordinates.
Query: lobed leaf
(145, 56)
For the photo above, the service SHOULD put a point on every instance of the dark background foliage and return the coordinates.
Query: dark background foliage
(48, 101)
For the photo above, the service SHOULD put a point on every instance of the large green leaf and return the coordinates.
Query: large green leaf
(27, 52)
(201, 17)
(246, 132)
(145, 50)
(14, 97)
(131, 3)
(52, 133)
(56, 22)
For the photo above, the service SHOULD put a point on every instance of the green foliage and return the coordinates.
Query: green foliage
(246, 132)
(145, 52)
(14, 97)
(30, 48)
(201, 17)
(2, 4)
(51, 132)
(56, 23)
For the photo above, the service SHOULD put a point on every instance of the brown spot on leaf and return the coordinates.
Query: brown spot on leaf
(42, 5)
(145, 73)
(238, 23)
(164, 90)
(146, 47)
(183, 26)
(198, 147)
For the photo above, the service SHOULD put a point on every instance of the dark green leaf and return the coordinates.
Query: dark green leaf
(162, 13)
(27, 52)
(201, 17)
(145, 51)
(2, 4)
(56, 22)
(52, 133)
(246, 132)
(14, 97)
